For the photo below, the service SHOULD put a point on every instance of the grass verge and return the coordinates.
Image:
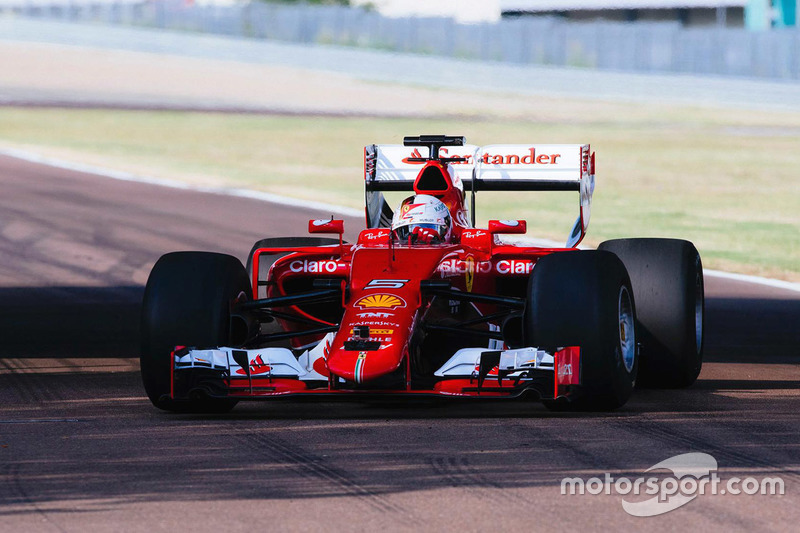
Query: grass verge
(727, 182)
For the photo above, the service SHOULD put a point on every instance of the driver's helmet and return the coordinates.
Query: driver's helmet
(421, 219)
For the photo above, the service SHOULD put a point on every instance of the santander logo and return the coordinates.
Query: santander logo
(414, 153)
(257, 366)
(529, 158)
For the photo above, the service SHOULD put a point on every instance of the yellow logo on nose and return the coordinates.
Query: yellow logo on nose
(380, 301)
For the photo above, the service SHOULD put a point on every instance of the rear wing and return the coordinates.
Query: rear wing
(497, 167)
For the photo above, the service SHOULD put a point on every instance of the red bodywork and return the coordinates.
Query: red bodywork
(381, 284)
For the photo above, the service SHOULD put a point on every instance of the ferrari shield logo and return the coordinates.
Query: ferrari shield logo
(469, 264)
(406, 208)
(358, 373)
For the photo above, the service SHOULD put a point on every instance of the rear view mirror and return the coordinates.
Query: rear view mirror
(326, 226)
(508, 227)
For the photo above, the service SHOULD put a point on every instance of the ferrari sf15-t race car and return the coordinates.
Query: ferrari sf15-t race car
(425, 304)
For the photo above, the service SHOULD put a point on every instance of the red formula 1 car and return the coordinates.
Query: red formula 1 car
(426, 304)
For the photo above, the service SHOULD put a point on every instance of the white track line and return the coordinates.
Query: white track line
(34, 157)
(777, 283)
(40, 159)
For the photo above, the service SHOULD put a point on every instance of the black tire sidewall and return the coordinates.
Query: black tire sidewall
(186, 302)
(573, 300)
(664, 275)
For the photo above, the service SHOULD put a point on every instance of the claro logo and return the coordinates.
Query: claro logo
(503, 267)
(514, 267)
(531, 158)
(313, 266)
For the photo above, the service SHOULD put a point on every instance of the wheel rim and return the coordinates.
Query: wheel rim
(698, 308)
(627, 333)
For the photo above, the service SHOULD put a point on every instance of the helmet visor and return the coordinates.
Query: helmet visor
(407, 235)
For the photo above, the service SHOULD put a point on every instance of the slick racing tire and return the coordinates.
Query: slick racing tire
(667, 280)
(187, 302)
(584, 298)
(266, 261)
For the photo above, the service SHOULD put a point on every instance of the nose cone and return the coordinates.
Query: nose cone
(384, 301)
(364, 366)
(372, 344)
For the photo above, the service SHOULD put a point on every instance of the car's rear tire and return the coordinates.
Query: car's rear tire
(187, 302)
(584, 298)
(265, 262)
(667, 280)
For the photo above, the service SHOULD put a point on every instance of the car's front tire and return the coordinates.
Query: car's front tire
(187, 302)
(584, 298)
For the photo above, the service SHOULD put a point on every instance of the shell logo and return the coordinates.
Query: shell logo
(380, 301)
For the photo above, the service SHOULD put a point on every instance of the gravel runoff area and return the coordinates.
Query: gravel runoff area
(268, 75)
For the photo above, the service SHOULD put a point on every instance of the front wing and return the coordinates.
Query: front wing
(267, 373)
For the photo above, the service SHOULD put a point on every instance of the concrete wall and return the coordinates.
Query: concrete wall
(633, 47)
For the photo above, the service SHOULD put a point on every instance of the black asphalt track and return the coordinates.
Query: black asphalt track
(81, 449)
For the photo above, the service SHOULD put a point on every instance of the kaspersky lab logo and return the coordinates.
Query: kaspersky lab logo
(692, 475)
